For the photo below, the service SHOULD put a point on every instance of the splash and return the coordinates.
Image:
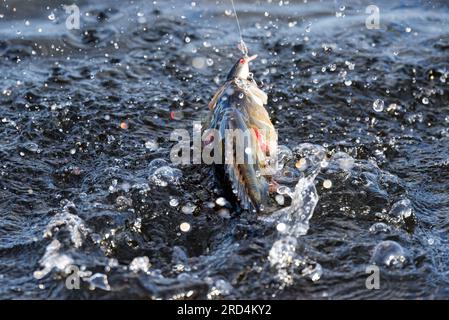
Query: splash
(52, 259)
(74, 224)
(308, 160)
(302, 164)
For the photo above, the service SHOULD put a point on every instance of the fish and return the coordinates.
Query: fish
(239, 104)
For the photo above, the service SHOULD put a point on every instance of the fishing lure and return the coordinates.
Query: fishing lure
(238, 106)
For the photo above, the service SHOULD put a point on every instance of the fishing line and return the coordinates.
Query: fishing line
(243, 47)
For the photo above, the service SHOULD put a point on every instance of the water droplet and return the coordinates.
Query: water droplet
(301, 163)
(189, 208)
(401, 210)
(51, 16)
(164, 175)
(408, 29)
(221, 201)
(281, 227)
(187, 39)
(280, 199)
(378, 105)
(174, 202)
(379, 227)
(389, 253)
(351, 66)
(32, 147)
(327, 184)
(425, 100)
(185, 227)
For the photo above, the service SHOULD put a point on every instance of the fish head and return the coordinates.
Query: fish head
(240, 69)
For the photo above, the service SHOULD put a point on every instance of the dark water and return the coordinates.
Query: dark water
(84, 112)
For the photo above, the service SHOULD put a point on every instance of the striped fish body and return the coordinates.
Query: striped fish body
(237, 108)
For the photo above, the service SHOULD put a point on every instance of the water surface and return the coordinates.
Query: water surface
(85, 122)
